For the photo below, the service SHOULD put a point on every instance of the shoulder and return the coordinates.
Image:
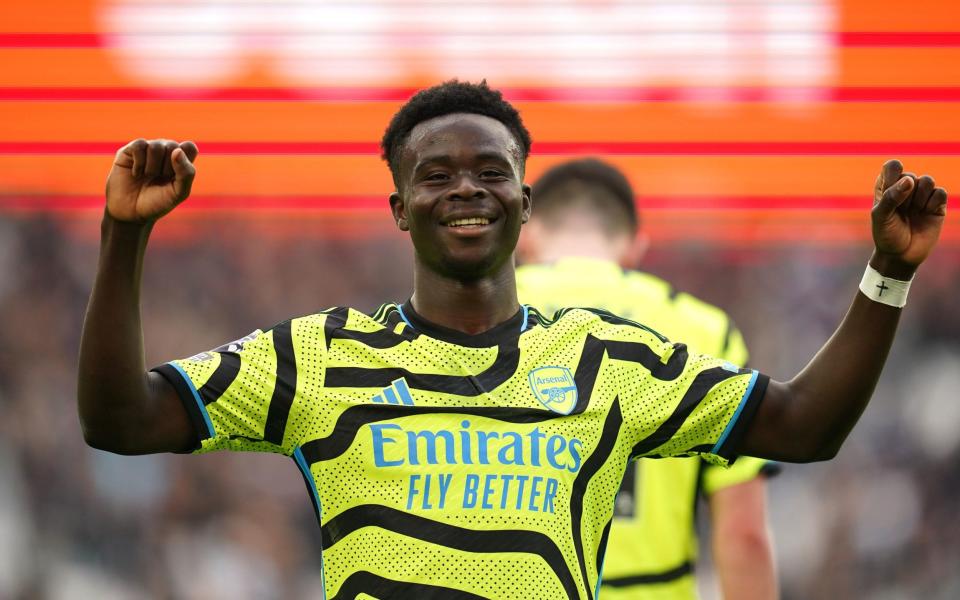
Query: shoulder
(599, 323)
(649, 287)
(530, 278)
(656, 290)
(343, 317)
(696, 308)
(682, 316)
(708, 327)
(532, 271)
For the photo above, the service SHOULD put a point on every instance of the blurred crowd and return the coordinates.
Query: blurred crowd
(877, 522)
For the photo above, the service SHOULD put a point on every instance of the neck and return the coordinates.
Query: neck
(468, 306)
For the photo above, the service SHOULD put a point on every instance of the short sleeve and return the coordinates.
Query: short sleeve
(679, 403)
(745, 469)
(240, 396)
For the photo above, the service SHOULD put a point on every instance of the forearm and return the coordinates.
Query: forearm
(742, 547)
(112, 386)
(745, 568)
(809, 417)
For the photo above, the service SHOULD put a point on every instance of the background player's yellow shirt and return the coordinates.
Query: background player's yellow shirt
(454, 466)
(653, 544)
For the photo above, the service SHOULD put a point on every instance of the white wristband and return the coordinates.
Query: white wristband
(884, 290)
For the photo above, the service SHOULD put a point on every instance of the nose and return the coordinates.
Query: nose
(465, 188)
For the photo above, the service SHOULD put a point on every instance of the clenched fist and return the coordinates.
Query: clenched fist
(149, 178)
(908, 213)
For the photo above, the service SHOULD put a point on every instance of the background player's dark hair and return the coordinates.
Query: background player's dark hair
(590, 184)
(450, 97)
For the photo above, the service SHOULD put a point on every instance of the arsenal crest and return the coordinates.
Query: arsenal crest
(555, 388)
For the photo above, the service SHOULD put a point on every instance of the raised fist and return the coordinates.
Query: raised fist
(908, 213)
(149, 178)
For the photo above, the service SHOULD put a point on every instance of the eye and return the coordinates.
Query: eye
(435, 176)
(493, 174)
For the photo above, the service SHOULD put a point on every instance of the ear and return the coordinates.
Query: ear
(635, 252)
(399, 211)
(527, 207)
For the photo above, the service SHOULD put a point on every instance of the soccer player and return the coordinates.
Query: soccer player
(460, 445)
(584, 227)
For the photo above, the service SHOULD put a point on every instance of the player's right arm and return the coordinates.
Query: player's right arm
(123, 408)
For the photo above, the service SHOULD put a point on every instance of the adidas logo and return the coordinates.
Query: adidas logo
(396, 393)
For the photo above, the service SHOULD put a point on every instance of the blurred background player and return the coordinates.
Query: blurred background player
(584, 227)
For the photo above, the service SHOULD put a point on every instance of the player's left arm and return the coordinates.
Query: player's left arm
(741, 542)
(808, 417)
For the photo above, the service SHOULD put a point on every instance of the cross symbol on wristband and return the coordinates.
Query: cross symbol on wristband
(883, 286)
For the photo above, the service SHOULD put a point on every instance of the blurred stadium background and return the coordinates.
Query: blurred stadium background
(752, 131)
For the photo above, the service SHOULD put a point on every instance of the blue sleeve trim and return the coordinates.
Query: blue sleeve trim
(211, 432)
(736, 415)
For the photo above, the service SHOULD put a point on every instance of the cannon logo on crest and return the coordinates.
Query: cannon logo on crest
(555, 388)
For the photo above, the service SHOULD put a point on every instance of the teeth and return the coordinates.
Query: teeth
(470, 221)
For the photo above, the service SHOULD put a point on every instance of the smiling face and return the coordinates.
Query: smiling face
(461, 195)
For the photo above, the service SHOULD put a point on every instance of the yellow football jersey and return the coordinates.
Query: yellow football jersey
(652, 547)
(449, 465)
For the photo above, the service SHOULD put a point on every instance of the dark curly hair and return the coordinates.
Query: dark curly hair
(592, 183)
(450, 97)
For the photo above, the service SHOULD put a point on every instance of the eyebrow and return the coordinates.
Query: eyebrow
(445, 159)
(493, 156)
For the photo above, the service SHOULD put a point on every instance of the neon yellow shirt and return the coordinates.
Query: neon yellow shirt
(653, 543)
(455, 466)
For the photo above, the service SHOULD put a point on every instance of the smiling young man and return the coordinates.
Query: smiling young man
(461, 445)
